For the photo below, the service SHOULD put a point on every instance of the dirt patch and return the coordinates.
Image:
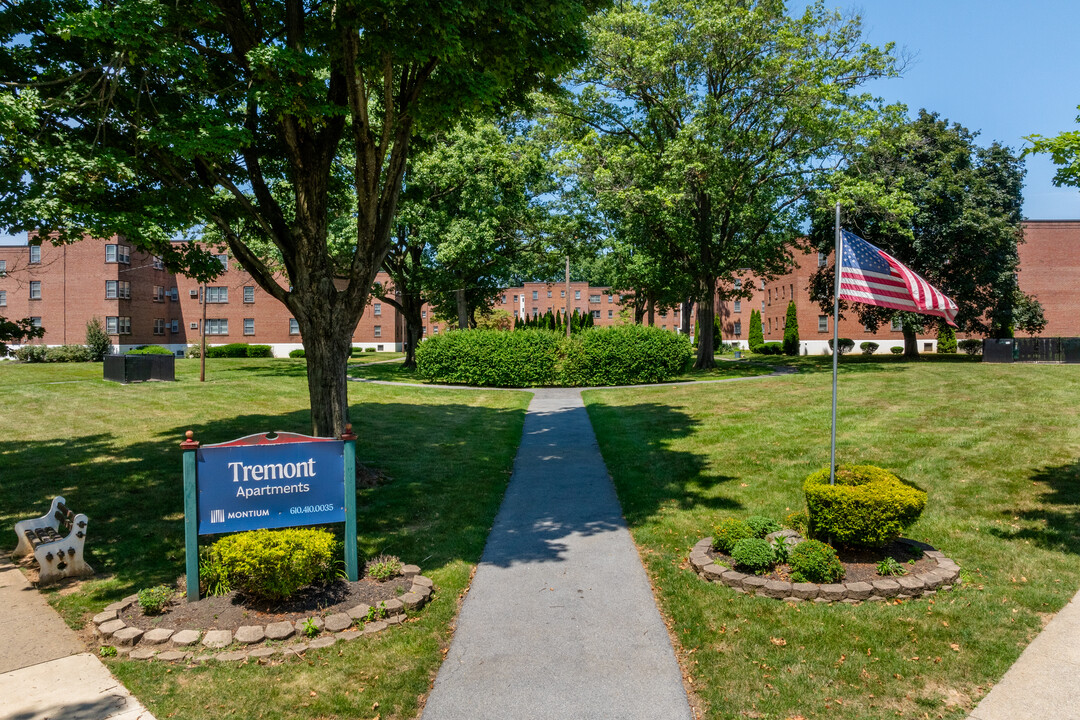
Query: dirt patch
(860, 565)
(228, 612)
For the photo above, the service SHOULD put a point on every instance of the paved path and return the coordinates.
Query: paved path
(560, 620)
(45, 671)
(1044, 683)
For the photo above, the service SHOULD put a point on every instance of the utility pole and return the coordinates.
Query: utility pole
(567, 296)
(202, 335)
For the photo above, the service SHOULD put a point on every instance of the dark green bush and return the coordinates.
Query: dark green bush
(896, 350)
(272, 565)
(621, 355)
(297, 353)
(971, 346)
(729, 531)
(867, 507)
(753, 554)
(154, 600)
(97, 340)
(846, 345)
(868, 348)
(755, 335)
(369, 349)
(150, 350)
(791, 331)
(761, 525)
(816, 562)
(238, 350)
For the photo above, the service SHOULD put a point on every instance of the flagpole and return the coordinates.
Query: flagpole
(835, 343)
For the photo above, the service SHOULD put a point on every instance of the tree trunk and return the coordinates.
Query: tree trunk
(651, 310)
(911, 343)
(706, 320)
(462, 310)
(685, 320)
(327, 345)
(639, 309)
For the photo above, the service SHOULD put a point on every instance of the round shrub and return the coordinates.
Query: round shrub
(297, 353)
(526, 358)
(150, 350)
(761, 525)
(798, 521)
(622, 355)
(729, 531)
(868, 347)
(753, 554)
(272, 565)
(896, 350)
(846, 345)
(816, 562)
(971, 346)
(867, 507)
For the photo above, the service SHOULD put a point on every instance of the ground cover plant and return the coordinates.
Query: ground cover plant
(994, 446)
(112, 450)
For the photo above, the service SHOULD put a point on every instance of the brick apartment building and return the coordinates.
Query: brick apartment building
(141, 303)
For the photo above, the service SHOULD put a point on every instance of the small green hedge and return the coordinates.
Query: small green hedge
(621, 355)
(729, 531)
(150, 350)
(762, 526)
(57, 354)
(297, 353)
(239, 350)
(816, 562)
(971, 346)
(867, 507)
(868, 348)
(272, 565)
(753, 554)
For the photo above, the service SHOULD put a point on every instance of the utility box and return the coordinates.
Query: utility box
(139, 368)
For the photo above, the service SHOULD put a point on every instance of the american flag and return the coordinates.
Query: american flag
(871, 276)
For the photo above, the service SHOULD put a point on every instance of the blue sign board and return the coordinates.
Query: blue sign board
(271, 485)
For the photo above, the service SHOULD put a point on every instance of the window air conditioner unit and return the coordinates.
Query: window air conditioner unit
(194, 293)
(194, 326)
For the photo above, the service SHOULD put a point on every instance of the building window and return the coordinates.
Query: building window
(737, 328)
(435, 329)
(118, 254)
(224, 260)
(504, 299)
(249, 293)
(36, 322)
(611, 313)
(821, 259)
(562, 293)
(111, 292)
(770, 297)
(174, 295)
(249, 326)
(35, 254)
(577, 294)
(549, 293)
(377, 307)
(762, 306)
(515, 298)
(35, 289)
(3, 268)
(791, 290)
(535, 313)
(823, 323)
(594, 299)
(159, 264)
(378, 331)
(596, 314)
(736, 306)
(217, 294)
(176, 326)
(118, 325)
(738, 283)
(159, 326)
(423, 313)
(610, 298)
(216, 326)
(294, 327)
(159, 293)
(536, 295)
(897, 325)
(3, 298)
(770, 325)
(124, 289)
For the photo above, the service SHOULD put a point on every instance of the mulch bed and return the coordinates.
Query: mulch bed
(229, 612)
(860, 565)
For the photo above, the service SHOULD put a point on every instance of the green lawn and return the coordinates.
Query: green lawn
(995, 446)
(112, 451)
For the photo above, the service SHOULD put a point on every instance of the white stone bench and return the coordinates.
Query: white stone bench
(58, 556)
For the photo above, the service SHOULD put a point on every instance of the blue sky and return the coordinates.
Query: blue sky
(1003, 68)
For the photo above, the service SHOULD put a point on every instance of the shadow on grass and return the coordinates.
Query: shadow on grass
(447, 464)
(1056, 524)
(860, 364)
(636, 441)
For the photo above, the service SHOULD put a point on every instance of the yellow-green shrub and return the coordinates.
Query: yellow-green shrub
(273, 565)
(867, 507)
(729, 531)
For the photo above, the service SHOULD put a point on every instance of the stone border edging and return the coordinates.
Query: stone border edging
(903, 587)
(186, 645)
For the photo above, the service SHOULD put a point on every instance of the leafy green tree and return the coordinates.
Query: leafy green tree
(150, 119)
(791, 330)
(703, 124)
(97, 340)
(927, 194)
(17, 331)
(755, 336)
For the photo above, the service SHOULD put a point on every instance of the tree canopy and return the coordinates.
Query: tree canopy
(148, 119)
(949, 209)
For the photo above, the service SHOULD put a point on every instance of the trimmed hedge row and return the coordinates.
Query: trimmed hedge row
(233, 350)
(621, 355)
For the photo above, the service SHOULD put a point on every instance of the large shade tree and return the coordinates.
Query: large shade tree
(706, 122)
(928, 194)
(150, 118)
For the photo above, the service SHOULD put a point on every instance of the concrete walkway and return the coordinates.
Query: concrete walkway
(45, 671)
(560, 620)
(1044, 683)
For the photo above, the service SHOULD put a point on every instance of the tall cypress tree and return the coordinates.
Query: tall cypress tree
(755, 337)
(791, 331)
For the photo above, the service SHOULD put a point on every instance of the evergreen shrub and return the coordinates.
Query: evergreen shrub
(868, 348)
(97, 340)
(238, 350)
(791, 331)
(31, 353)
(846, 345)
(622, 355)
(798, 521)
(150, 350)
(896, 350)
(946, 340)
(867, 507)
(753, 554)
(67, 353)
(769, 348)
(297, 353)
(762, 526)
(755, 335)
(273, 565)
(971, 346)
(729, 531)
(816, 562)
